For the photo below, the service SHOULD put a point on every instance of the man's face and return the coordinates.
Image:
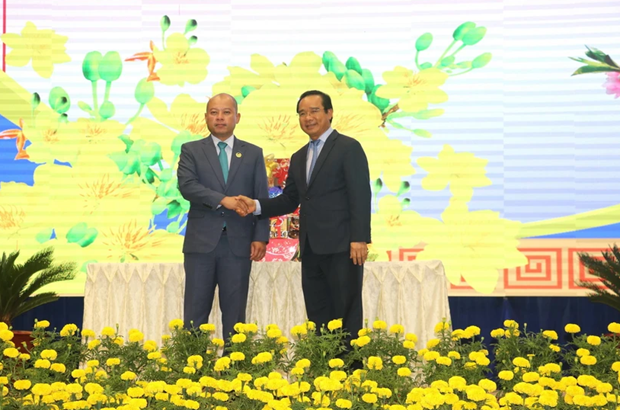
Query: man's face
(221, 116)
(312, 116)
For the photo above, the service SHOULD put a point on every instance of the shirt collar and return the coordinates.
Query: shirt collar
(229, 141)
(324, 136)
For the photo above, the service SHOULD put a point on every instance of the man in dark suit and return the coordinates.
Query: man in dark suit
(219, 244)
(329, 177)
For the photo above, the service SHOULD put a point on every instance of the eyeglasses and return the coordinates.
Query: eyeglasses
(313, 111)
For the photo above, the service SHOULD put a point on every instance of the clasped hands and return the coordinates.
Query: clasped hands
(241, 204)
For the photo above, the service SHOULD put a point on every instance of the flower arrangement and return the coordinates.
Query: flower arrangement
(262, 369)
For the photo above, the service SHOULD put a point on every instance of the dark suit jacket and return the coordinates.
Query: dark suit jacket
(335, 207)
(201, 182)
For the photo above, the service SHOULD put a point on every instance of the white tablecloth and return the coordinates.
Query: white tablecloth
(146, 296)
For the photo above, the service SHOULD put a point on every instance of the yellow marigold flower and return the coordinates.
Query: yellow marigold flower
(497, 333)
(128, 375)
(118, 341)
(454, 355)
(363, 341)
(42, 364)
(191, 370)
(475, 393)
(430, 356)
(403, 371)
(444, 360)
(458, 334)
(488, 385)
(93, 344)
(299, 330)
(335, 324)
(336, 363)
(583, 352)
(343, 404)
(593, 340)
(58, 368)
(108, 332)
(511, 324)
(41, 324)
(615, 367)
(550, 334)
(588, 360)
(136, 336)
(506, 375)
(207, 327)
(78, 373)
(555, 348)
(379, 325)
(297, 371)
(474, 330)
(587, 380)
(222, 363)
(175, 324)
(24, 356)
(369, 398)
(407, 344)
(88, 333)
(74, 388)
(521, 362)
(150, 346)
(422, 352)
(92, 363)
(22, 384)
(261, 358)
(41, 389)
(441, 326)
(614, 327)
(154, 355)
(604, 388)
(572, 328)
(375, 363)
(238, 338)
(454, 382)
(397, 329)
(303, 363)
(6, 334)
(411, 337)
(274, 333)
(217, 342)
(530, 377)
(553, 367)
(432, 343)
(237, 356)
(68, 330)
(4, 380)
(11, 352)
(399, 359)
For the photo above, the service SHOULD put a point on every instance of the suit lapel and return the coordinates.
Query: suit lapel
(211, 154)
(329, 144)
(237, 157)
(303, 166)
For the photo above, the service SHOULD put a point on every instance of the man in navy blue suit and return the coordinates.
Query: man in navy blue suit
(329, 177)
(219, 244)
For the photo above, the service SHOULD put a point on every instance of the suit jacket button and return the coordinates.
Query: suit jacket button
(222, 214)
(307, 198)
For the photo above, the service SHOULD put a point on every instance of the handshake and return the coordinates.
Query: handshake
(240, 204)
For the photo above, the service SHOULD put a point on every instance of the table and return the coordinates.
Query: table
(146, 296)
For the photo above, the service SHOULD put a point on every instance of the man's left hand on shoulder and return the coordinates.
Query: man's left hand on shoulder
(258, 250)
(359, 252)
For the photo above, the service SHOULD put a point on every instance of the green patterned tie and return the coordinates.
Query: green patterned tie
(223, 159)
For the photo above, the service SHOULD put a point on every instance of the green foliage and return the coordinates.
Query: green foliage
(19, 282)
(608, 271)
(600, 62)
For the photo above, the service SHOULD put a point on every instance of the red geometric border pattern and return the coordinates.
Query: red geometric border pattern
(552, 268)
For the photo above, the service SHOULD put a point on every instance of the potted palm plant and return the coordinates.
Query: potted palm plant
(608, 270)
(20, 284)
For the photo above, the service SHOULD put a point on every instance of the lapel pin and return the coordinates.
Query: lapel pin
(238, 155)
